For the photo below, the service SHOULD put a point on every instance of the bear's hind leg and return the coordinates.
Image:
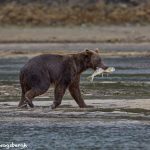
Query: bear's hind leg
(22, 103)
(31, 94)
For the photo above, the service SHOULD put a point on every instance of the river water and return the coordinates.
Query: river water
(78, 135)
(130, 81)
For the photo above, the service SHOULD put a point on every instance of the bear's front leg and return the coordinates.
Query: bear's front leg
(76, 94)
(59, 93)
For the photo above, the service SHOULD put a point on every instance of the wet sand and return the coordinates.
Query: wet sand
(108, 34)
(97, 108)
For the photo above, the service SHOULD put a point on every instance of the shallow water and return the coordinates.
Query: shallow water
(132, 69)
(78, 135)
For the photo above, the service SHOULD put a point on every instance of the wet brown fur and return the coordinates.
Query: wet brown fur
(61, 70)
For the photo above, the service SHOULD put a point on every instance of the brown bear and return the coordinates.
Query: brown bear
(61, 70)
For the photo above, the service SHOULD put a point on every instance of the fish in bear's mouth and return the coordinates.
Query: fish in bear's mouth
(102, 71)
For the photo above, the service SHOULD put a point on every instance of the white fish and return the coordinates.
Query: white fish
(96, 72)
(109, 70)
(99, 71)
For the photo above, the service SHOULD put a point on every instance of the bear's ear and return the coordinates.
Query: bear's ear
(88, 52)
(97, 50)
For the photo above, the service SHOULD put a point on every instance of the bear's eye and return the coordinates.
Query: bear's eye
(98, 59)
(87, 58)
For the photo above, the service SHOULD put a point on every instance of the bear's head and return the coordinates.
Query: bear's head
(93, 59)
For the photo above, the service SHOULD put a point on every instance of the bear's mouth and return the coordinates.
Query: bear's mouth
(101, 66)
(104, 68)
